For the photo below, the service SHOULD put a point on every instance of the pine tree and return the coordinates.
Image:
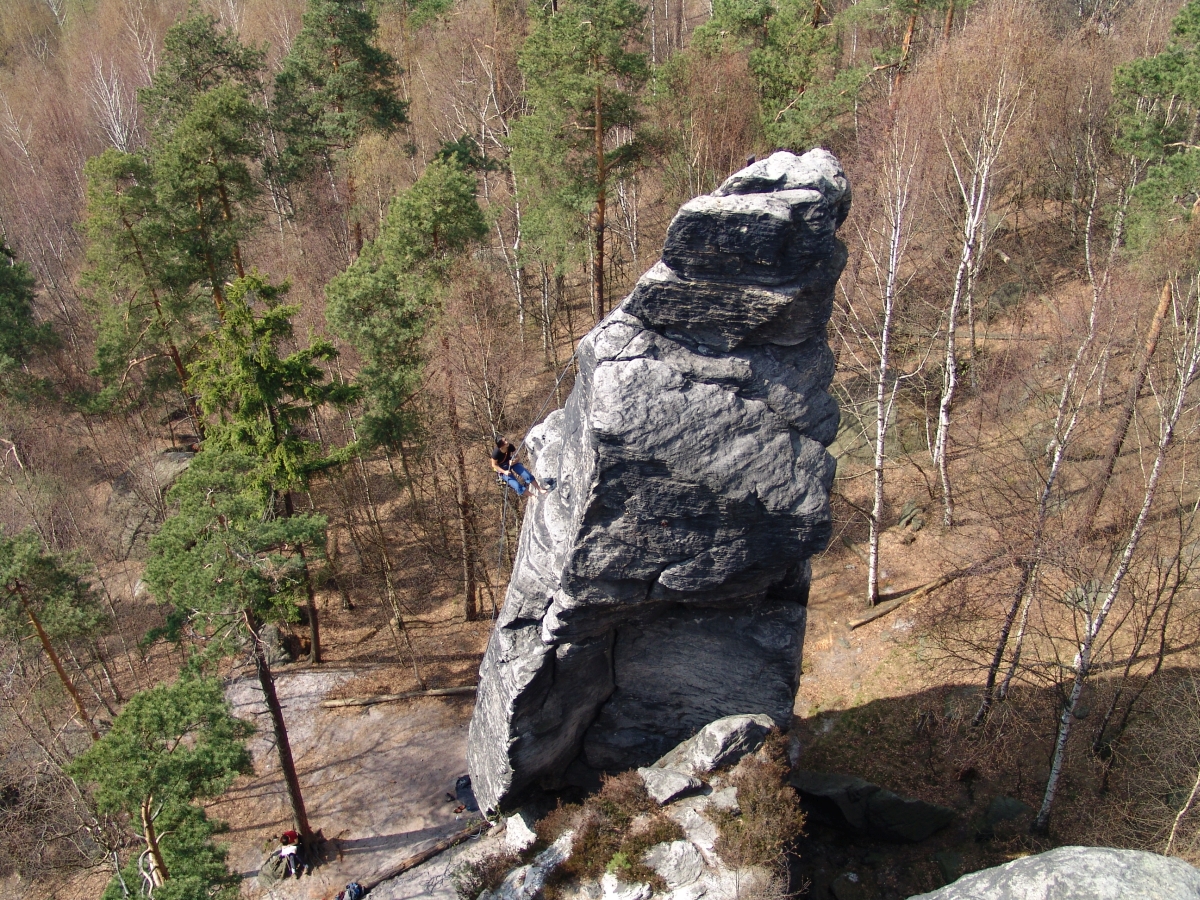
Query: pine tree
(50, 598)
(20, 333)
(197, 57)
(227, 563)
(263, 401)
(142, 280)
(802, 89)
(1157, 101)
(334, 86)
(171, 746)
(385, 301)
(583, 80)
(204, 181)
(165, 224)
(206, 136)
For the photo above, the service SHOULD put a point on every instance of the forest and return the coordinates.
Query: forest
(275, 274)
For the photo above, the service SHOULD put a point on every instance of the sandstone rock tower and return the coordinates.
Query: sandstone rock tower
(663, 583)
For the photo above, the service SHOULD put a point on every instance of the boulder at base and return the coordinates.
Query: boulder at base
(1079, 873)
(855, 805)
(663, 582)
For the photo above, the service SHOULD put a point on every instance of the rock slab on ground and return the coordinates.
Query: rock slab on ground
(1079, 873)
(678, 863)
(665, 785)
(720, 743)
(856, 805)
(663, 583)
(519, 835)
(526, 882)
(136, 506)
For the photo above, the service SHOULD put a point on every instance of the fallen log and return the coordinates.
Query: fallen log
(990, 564)
(882, 609)
(411, 862)
(392, 698)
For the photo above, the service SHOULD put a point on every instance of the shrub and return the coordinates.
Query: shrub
(613, 828)
(476, 876)
(769, 818)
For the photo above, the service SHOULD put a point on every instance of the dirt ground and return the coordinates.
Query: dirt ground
(375, 779)
(845, 668)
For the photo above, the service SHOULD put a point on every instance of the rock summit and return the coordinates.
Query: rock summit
(663, 582)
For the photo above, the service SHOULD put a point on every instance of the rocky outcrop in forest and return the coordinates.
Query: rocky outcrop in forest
(1078, 873)
(663, 582)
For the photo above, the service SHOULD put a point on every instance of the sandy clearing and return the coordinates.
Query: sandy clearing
(374, 779)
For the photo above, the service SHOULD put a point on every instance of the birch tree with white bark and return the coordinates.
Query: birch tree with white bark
(1171, 400)
(871, 317)
(984, 91)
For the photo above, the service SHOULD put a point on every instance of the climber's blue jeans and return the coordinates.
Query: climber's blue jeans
(513, 477)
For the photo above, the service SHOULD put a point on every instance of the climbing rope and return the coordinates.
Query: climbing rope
(504, 509)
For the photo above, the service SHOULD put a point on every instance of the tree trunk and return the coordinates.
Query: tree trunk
(601, 201)
(1100, 485)
(19, 590)
(310, 607)
(905, 50)
(158, 868)
(884, 400)
(227, 212)
(1010, 617)
(218, 292)
(176, 359)
(284, 748)
(356, 233)
(462, 495)
(1186, 373)
(1183, 811)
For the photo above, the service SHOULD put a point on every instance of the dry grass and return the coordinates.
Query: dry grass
(769, 819)
(613, 829)
(474, 877)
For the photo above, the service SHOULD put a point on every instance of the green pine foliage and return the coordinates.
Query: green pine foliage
(197, 57)
(203, 168)
(56, 587)
(585, 49)
(143, 284)
(334, 86)
(384, 302)
(261, 397)
(20, 333)
(169, 747)
(164, 224)
(802, 91)
(1158, 101)
(224, 556)
(195, 861)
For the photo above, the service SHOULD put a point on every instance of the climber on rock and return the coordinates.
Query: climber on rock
(515, 475)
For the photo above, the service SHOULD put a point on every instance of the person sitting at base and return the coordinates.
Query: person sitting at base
(515, 475)
(289, 850)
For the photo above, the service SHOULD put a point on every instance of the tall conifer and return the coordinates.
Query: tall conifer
(583, 77)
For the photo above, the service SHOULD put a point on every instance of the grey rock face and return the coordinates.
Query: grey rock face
(519, 835)
(720, 743)
(136, 506)
(526, 882)
(678, 862)
(665, 785)
(663, 583)
(1078, 873)
(859, 806)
